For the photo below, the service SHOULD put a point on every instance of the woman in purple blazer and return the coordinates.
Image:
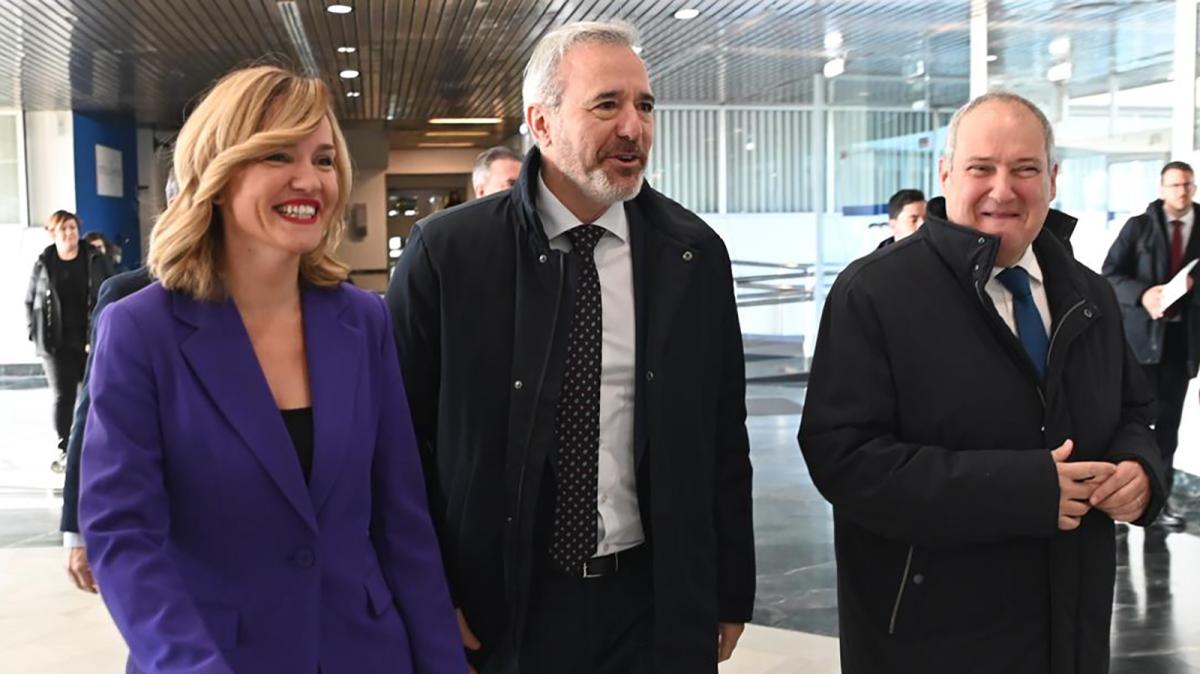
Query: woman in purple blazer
(252, 497)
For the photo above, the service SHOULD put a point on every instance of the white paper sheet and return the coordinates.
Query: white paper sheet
(1177, 287)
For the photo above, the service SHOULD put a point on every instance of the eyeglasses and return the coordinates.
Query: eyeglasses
(1186, 187)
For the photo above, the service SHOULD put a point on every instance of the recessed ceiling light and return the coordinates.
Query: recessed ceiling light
(687, 14)
(393, 213)
(339, 9)
(833, 40)
(391, 117)
(347, 50)
(410, 212)
(993, 58)
(464, 120)
(1060, 46)
(348, 74)
(353, 94)
(445, 144)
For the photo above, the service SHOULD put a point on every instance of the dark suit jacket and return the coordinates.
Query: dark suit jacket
(478, 302)
(212, 551)
(113, 289)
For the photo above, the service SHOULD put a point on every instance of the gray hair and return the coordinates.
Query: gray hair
(483, 162)
(1001, 97)
(542, 83)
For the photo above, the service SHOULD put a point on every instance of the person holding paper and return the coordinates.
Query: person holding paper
(1163, 329)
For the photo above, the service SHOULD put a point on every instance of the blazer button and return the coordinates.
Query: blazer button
(649, 375)
(304, 558)
(918, 579)
(542, 258)
(687, 256)
(518, 384)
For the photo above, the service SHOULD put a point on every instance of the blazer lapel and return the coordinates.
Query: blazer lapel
(222, 359)
(335, 354)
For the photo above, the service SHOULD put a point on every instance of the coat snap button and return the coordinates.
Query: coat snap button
(976, 268)
(687, 256)
(982, 240)
(1087, 313)
(649, 375)
(542, 258)
(518, 384)
(918, 579)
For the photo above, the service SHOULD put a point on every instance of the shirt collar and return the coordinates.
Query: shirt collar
(1029, 262)
(557, 219)
(1188, 216)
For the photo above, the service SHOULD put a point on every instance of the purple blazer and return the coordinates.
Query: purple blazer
(211, 551)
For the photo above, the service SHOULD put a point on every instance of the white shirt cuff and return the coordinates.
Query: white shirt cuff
(72, 539)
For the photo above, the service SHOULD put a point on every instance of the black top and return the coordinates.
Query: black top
(299, 424)
(71, 283)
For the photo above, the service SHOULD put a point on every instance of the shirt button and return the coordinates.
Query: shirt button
(304, 558)
(542, 258)
(687, 256)
(918, 579)
(604, 498)
(518, 384)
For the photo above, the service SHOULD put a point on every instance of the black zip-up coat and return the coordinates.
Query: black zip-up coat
(43, 309)
(481, 306)
(927, 429)
(1140, 258)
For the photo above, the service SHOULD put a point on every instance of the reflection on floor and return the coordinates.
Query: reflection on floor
(1155, 624)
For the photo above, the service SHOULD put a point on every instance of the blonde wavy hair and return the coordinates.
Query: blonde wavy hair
(245, 116)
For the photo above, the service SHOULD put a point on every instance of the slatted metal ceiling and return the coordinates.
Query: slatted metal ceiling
(427, 58)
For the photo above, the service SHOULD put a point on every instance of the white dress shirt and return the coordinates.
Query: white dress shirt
(1188, 219)
(1003, 299)
(619, 521)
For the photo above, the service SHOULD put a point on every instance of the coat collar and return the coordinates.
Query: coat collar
(222, 358)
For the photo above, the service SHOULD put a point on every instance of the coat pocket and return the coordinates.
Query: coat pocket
(379, 597)
(222, 623)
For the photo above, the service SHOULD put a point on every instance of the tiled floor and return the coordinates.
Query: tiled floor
(46, 626)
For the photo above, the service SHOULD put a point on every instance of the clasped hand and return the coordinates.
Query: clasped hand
(1121, 490)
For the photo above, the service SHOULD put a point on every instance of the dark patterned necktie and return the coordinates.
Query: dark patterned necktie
(577, 417)
(1030, 328)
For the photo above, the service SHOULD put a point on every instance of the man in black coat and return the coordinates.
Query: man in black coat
(977, 441)
(80, 572)
(594, 514)
(1151, 249)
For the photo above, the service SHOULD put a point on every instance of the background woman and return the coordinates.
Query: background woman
(58, 306)
(252, 498)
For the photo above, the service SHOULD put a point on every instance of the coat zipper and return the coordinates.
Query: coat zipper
(900, 593)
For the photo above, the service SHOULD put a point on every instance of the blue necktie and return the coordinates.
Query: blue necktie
(1030, 329)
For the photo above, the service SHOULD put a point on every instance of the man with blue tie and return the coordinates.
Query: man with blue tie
(1150, 250)
(977, 422)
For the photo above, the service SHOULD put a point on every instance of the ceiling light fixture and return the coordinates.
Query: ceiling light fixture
(348, 74)
(834, 67)
(833, 40)
(992, 58)
(339, 9)
(393, 213)
(353, 94)
(445, 144)
(1060, 46)
(687, 14)
(464, 120)
(461, 134)
(347, 50)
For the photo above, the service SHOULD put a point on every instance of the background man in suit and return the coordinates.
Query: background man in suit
(496, 169)
(573, 359)
(975, 461)
(1149, 251)
(906, 214)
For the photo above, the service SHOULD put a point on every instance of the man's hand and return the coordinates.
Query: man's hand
(469, 641)
(1124, 495)
(1152, 301)
(727, 638)
(1076, 484)
(80, 571)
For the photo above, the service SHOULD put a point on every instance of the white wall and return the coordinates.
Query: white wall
(153, 166)
(369, 150)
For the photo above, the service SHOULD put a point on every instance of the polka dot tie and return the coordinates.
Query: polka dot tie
(577, 417)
